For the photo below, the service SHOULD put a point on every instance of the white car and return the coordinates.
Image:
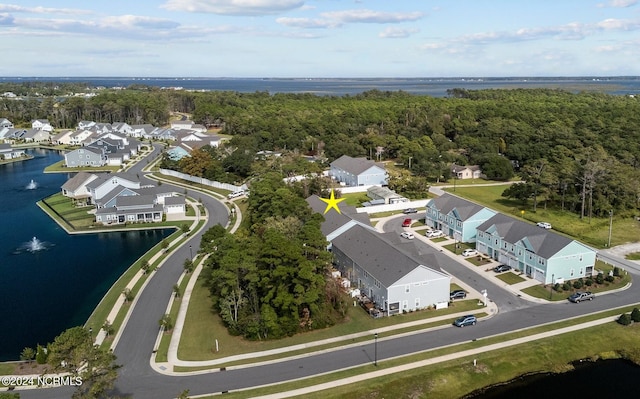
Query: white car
(434, 234)
(544, 225)
(407, 235)
(235, 194)
(469, 252)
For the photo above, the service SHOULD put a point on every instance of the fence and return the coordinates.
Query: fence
(393, 207)
(202, 180)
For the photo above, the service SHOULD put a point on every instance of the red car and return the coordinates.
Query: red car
(407, 223)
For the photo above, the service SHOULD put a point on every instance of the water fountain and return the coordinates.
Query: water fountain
(32, 185)
(35, 245)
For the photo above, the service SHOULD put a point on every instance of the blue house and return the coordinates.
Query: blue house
(539, 253)
(456, 217)
(358, 171)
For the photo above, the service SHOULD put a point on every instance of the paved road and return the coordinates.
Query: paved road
(137, 378)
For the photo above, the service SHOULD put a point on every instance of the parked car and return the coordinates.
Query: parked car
(469, 252)
(434, 234)
(501, 268)
(457, 294)
(469, 320)
(410, 210)
(407, 223)
(235, 194)
(581, 296)
(406, 234)
(544, 225)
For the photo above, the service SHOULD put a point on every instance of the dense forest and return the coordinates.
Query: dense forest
(579, 152)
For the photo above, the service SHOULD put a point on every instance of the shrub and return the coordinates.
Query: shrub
(624, 319)
(610, 279)
(577, 284)
(566, 286)
(588, 282)
(557, 288)
(41, 355)
(635, 314)
(600, 278)
(616, 271)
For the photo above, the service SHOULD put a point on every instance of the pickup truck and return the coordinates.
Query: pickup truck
(581, 296)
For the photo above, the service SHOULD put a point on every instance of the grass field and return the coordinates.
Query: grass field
(594, 233)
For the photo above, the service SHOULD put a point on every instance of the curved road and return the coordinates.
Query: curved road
(137, 379)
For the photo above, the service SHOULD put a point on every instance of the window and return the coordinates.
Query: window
(405, 304)
(580, 271)
(572, 272)
(407, 288)
(580, 258)
(417, 303)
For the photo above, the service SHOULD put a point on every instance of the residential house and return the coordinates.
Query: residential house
(8, 152)
(357, 171)
(466, 172)
(394, 280)
(122, 128)
(42, 124)
(131, 209)
(36, 136)
(85, 156)
(456, 217)
(76, 188)
(4, 122)
(101, 188)
(337, 223)
(385, 195)
(62, 138)
(539, 253)
(182, 124)
(175, 205)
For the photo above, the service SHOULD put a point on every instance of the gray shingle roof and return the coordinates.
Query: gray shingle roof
(381, 258)
(178, 200)
(134, 200)
(354, 166)
(447, 202)
(76, 181)
(333, 219)
(543, 242)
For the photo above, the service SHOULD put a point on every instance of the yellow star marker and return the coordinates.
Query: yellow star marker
(332, 202)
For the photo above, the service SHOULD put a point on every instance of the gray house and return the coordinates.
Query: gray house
(337, 223)
(394, 280)
(86, 156)
(358, 171)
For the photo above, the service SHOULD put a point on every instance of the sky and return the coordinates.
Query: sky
(320, 39)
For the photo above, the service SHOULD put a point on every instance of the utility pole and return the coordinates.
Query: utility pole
(610, 227)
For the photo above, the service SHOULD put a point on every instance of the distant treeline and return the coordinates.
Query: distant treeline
(580, 151)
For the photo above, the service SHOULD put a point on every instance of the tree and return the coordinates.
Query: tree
(176, 290)
(108, 328)
(73, 352)
(185, 228)
(28, 354)
(497, 167)
(519, 191)
(41, 354)
(635, 315)
(145, 266)
(166, 323)
(624, 319)
(128, 295)
(188, 265)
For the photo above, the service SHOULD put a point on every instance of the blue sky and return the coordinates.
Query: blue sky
(322, 38)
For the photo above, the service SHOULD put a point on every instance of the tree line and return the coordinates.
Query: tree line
(577, 151)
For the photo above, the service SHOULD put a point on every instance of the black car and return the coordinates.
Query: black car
(457, 294)
(501, 268)
(410, 210)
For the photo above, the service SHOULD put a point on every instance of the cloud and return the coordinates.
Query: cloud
(6, 19)
(307, 23)
(618, 3)
(42, 10)
(396, 33)
(370, 16)
(234, 7)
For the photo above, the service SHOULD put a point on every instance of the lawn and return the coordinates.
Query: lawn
(510, 278)
(202, 328)
(594, 232)
(355, 199)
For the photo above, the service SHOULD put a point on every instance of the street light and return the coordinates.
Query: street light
(410, 158)
(375, 356)
(553, 277)
(191, 252)
(610, 227)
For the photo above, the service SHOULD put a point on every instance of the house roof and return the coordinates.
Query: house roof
(177, 200)
(134, 200)
(460, 168)
(77, 181)
(354, 166)
(334, 220)
(540, 241)
(447, 203)
(381, 258)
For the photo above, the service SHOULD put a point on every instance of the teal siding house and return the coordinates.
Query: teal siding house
(539, 253)
(456, 217)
